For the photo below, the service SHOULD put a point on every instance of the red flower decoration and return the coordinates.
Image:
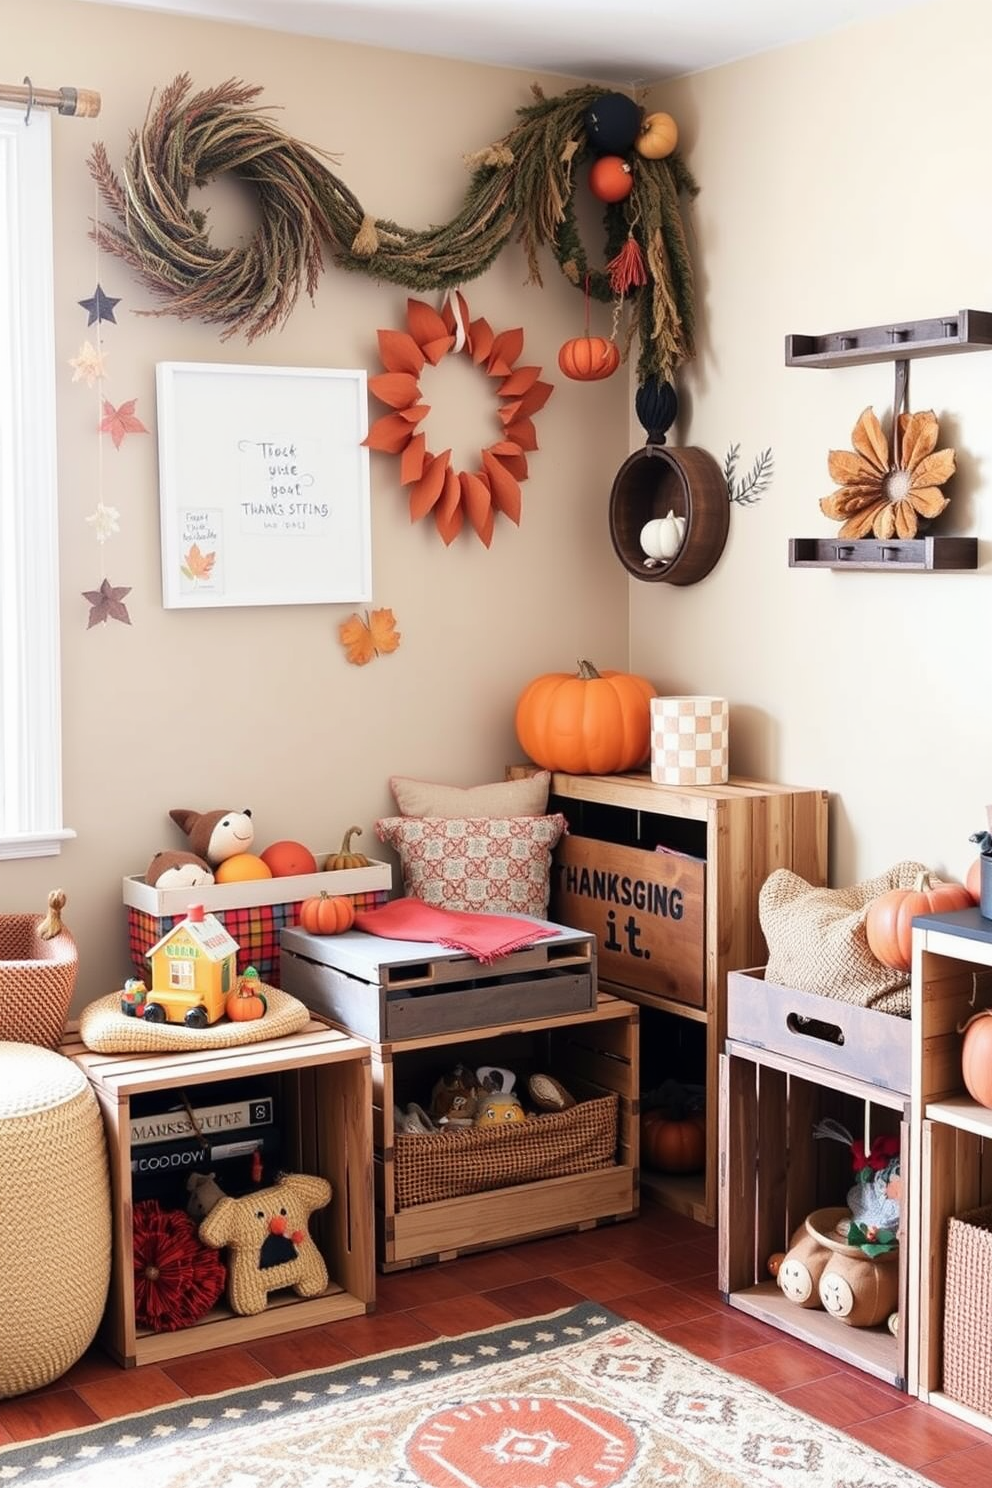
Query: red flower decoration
(435, 487)
(177, 1279)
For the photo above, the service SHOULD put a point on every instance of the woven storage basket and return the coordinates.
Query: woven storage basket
(37, 979)
(446, 1165)
(55, 1220)
(967, 1310)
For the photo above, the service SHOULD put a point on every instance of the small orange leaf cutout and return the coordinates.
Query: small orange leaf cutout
(376, 635)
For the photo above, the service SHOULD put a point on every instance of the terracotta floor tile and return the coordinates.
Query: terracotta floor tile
(679, 1262)
(558, 1252)
(216, 1370)
(378, 1332)
(404, 1289)
(842, 1399)
(113, 1396)
(488, 1269)
(44, 1412)
(968, 1469)
(780, 1365)
(532, 1298)
(917, 1434)
(307, 1348)
(460, 1315)
(605, 1279)
(711, 1335)
(95, 1364)
(659, 1306)
(5, 1436)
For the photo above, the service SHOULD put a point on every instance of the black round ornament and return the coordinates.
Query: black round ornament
(656, 405)
(612, 122)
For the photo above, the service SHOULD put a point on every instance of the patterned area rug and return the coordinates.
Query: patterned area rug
(580, 1399)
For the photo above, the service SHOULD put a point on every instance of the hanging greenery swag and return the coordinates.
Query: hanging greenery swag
(521, 187)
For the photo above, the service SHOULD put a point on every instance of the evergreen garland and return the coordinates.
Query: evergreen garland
(522, 186)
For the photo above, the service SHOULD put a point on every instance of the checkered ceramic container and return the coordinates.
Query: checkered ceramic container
(689, 740)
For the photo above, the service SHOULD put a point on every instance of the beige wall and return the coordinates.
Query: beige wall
(845, 182)
(295, 732)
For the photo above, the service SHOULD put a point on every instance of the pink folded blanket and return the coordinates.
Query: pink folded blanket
(486, 937)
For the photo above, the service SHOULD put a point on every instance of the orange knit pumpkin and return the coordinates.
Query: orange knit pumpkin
(976, 1057)
(589, 723)
(589, 358)
(327, 914)
(889, 921)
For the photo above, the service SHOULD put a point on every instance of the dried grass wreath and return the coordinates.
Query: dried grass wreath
(435, 487)
(521, 187)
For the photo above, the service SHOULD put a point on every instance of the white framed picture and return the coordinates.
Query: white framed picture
(263, 485)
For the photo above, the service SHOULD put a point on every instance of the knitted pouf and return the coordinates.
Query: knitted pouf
(55, 1222)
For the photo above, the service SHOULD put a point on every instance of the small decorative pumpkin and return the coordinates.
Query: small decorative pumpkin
(345, 857)
(657, 137)
(589, 358)
(661, 538)
(327, 914)
(889, 921)
(586, 723)
(610, 178)
(246, 1002)
(673, 1144)
(976, 1057)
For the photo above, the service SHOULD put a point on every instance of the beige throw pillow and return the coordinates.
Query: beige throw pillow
(527, 797)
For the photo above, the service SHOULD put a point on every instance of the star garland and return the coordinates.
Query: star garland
(522, 187)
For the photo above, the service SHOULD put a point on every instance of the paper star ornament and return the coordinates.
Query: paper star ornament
(104, 521)
(99, 307)
(120, 422)
(89, 365)
(107, 604)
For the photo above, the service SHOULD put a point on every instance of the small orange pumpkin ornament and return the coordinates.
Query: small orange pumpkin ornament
(976, 1057)
(327, 914)
(246, 1002)
(889, 921)
(586, 723)
(673, 1144)
(610, 178)
(589, 358)
(346, 856)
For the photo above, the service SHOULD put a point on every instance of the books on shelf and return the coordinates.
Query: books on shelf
(214, 1122)
(183, 1155)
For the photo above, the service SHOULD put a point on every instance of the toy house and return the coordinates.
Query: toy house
(193, 967)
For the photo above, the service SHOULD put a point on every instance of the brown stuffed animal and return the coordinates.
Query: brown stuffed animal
(215, 835)
(178, 870)
(268, 1241)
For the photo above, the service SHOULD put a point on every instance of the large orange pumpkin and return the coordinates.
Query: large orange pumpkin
(889, 922)
(327, 914)
(673, 1144)
(586, 723)
(589, 358)
(976, 1057)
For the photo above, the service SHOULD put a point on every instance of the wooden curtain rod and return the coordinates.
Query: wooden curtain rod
(82, 102)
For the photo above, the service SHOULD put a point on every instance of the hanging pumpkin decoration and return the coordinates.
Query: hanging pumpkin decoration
(327, 914)
(347, 856)
(494, 486)
(889, 920)
(589, 358)
(611, 178)
(657, 137)
(673, 1144)
(612, 123)
(976, 1057)
(586, 723)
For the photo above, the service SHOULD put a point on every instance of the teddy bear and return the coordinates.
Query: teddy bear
(174, 869)
(215, 835)
(269, 1245)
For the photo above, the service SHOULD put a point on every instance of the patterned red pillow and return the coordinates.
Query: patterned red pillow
(498, 865)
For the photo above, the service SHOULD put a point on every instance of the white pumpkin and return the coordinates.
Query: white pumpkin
(661, 538)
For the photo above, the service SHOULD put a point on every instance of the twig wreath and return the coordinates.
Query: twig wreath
(522, 186)
(435, 487)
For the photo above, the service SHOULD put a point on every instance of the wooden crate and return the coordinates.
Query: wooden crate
(324, 1084)
(386, 990)
(773, 1173)
(591, 1053)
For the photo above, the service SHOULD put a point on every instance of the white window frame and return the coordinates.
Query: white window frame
(30, 692)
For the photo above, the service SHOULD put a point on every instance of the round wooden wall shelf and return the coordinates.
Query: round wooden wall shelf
(686, 482)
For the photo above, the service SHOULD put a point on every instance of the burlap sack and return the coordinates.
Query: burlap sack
(817, 943)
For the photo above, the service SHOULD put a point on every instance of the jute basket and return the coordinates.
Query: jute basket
(38, 965)
(967, 1309)
(448, 1164)
(55, 1239)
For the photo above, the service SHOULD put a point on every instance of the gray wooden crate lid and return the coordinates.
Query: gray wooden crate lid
(363, 955)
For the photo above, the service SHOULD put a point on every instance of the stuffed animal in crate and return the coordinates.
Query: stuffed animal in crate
(268, 1241)
(215, 835)
(175, 869)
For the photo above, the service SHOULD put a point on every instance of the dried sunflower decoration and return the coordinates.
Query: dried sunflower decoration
(883, 491)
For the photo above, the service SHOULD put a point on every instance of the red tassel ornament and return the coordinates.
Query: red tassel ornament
(177, 1279)
(628, 269)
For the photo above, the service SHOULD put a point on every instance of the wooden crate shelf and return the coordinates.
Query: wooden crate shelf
(967, 330)
(324, 1082)
(910, 555)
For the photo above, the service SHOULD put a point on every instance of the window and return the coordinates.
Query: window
(30, 723)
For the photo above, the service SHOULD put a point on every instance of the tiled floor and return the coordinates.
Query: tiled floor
(659, 1269)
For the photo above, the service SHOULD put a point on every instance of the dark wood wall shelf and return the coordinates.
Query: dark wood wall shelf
(967, 330)
(913, 555)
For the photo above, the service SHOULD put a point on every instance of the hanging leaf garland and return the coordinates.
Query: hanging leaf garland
(435, 487)
(522, 187)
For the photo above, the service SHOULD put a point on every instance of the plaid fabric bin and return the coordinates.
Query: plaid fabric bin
(255, 928)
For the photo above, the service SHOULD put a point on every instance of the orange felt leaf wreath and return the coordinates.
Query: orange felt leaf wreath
(451, 496)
